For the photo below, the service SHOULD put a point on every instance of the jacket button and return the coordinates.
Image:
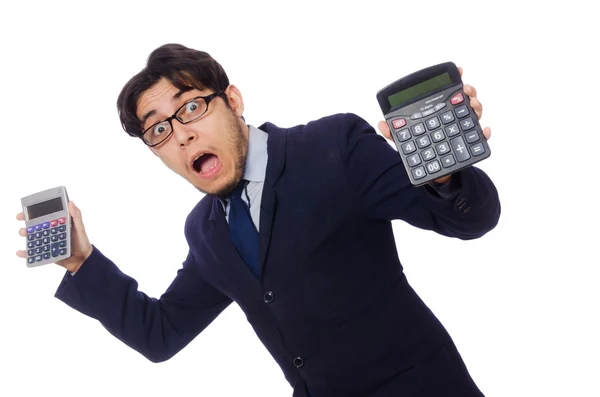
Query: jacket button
(298, 362)
(268, 297)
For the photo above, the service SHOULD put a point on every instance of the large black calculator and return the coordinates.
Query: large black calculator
(432, 123)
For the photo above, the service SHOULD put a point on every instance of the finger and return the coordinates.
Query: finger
(487, 133)
(75, 213)
(470, 90)
(477, 107)
(21, 254)
(385, 129)
(460, 71)
(21, 216)
(23, 232)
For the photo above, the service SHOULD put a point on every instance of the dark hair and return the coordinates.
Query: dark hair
(184, 67)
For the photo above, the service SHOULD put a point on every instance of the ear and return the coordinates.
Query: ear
(235, 100)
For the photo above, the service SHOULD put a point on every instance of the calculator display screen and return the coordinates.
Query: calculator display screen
(45, 208)
(417, 90)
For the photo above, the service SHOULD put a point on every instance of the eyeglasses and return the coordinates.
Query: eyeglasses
(190, 111)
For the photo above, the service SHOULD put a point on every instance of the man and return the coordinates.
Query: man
(295, 227)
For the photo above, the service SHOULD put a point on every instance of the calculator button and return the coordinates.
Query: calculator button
(38, 243)
(62, 236)
(418, 129)
(38, 228)
(62, 221)
(428, 154)
(46, 233)
(54, 230)
(62, 244)
(448, 161)
(46, 248)
(38, 250)
(452, 130)
(467, 124)
(433, 123)
(30, 252)
(418, 173)
(440, 106)
(458, 98)
(46, 256)
(437, 136)
(63, 251)
(416, 116)
(54, 238)
(30, 237)
(414, 160)
(30, 260)
(38, 235)
(423, 142)
(31, 229)
(408, 147)
(46, 240)
(447, 117)
(54, 223)
(442, 148)
(31, 244)
(403, 135)
(62, 228)
(478, 149)
(397, 124)
(55, 250)
(433, 167)
(472, 136)
(38, 258)
(45, 225)
(462, 154)
(428, 112)
(462, 111)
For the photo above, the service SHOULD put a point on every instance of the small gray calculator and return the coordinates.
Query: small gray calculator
(432, 123)
(48, 225)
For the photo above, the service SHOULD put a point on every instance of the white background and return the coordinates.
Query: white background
(521, 303)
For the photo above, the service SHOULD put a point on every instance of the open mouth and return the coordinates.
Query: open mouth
(206, 163)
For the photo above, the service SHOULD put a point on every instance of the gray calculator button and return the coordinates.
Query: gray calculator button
(62, 228)
(46, 248)
(467, 124)
(472, 136)
(428, 154)
(54, 239)
(62, 236)
(433, 167)
(55, 250)
(38, 250)
(54, 230)
(452, 130)
(418, 129)
(46, 233)
(433, 123)
(46, 256)
(38, 258)
(62, 244)
(423, 142)
(63, 251)
(478, 149)
(448, 161)
(38, 235)
(403, 135)
(31, 252)
(428, 112)
(447, 117)
(416, 116)
(30, 237)
(38, 243)
(418, 173)
(442, 148)
(46, 240)
(462, 111)
(437, 136)
(460, 149)
(30, 244)
(440, 106)
(408, 147)
(413, 160)
(31, 259)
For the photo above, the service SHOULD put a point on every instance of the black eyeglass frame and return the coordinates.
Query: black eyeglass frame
(207, 99)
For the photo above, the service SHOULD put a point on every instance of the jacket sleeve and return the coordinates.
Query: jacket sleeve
(156, 328)
(467, 207)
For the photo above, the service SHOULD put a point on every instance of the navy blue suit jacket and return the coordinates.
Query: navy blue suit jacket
(332, 305)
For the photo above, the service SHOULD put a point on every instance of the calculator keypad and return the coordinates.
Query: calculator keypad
(46, 240)
(439, 138)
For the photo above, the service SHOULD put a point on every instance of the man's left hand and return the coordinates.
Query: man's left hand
(471, 92)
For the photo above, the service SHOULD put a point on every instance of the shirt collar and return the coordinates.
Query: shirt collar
(256, 159)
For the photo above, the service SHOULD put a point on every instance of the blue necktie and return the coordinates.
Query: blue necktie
(242, 230)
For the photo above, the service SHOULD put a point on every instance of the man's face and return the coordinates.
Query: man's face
(219, 136)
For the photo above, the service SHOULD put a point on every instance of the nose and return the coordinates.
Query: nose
(183, 134)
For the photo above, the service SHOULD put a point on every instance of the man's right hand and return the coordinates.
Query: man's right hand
(81, 247)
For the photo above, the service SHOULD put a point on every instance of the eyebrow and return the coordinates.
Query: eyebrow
(177, 95)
